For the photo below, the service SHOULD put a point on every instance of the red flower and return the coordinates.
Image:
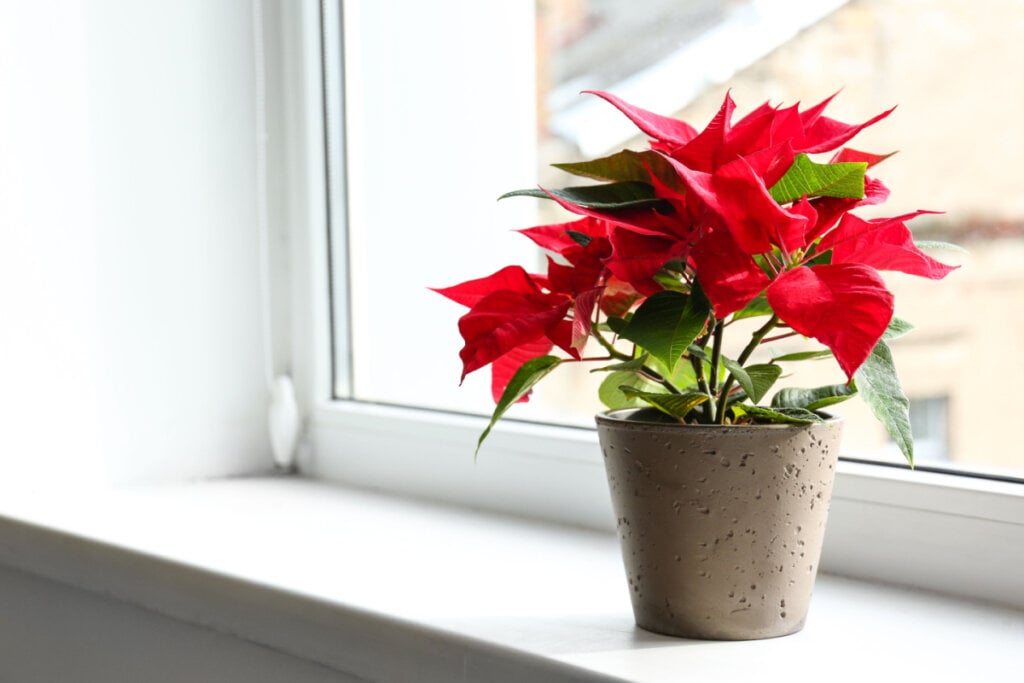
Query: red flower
(720, 208)
(771, 136)
(508, 312)
(505, 366)
(729, 275)
(741, 201)
(845, 305)
(584, 244)
(883, 243)
(642, 240)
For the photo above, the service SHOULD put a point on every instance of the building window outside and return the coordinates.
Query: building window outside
(930, 420)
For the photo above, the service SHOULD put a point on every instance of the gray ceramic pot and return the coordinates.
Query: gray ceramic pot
(721, 526)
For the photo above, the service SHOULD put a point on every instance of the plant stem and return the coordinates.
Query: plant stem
(702, 384)
(778, 337)
(755, 340)
(716, 356)
(710, 386)
(612, 351)
(649, 373)
(654, 376)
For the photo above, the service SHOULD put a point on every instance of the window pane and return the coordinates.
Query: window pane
(437, 129)
(437, 132)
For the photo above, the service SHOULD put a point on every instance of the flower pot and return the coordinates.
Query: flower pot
(720, 526)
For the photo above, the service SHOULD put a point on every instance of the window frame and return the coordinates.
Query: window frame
(956, 534)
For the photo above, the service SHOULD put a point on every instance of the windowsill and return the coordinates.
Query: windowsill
(385, 588)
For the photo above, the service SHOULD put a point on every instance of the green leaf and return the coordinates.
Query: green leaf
(676, 405)
(830, 401)
(616, 325)
(671, 281)
(756, 380)
(820, 259)
(701, 354)
(813, 399)
(740, 375)
(624, 195)
(757, 306)
(626, 165)
(879, 385)
(698, 352)
(804, 355)
(611, 394)
(897, 328)
(528, 192)
(738, 396)
(780, 415)
(942, 246)
(528, 374)
(805, 177)
(684, 376)
(579, 238)
(666, 324)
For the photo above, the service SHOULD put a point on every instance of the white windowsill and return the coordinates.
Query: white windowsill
(392, 589)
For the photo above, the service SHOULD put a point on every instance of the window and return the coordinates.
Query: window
(446, 227)
(930, 420)
(432, 141)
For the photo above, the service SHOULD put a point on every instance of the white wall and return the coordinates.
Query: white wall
(130, 343)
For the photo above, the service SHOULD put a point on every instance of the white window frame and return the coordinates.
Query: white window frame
(955, 534)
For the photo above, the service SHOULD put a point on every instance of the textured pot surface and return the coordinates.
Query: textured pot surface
(721, 526)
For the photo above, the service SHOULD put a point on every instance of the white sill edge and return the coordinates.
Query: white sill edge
(578, 628)
(940, 493)
(955, 535)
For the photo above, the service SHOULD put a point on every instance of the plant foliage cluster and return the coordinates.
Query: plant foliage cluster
(676, 243)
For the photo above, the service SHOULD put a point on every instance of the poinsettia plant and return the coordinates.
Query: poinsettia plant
(678, 242)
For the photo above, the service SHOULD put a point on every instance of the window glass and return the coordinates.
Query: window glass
(437, 129)
(437, 133)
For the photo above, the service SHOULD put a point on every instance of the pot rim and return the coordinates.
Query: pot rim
(616, 418)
